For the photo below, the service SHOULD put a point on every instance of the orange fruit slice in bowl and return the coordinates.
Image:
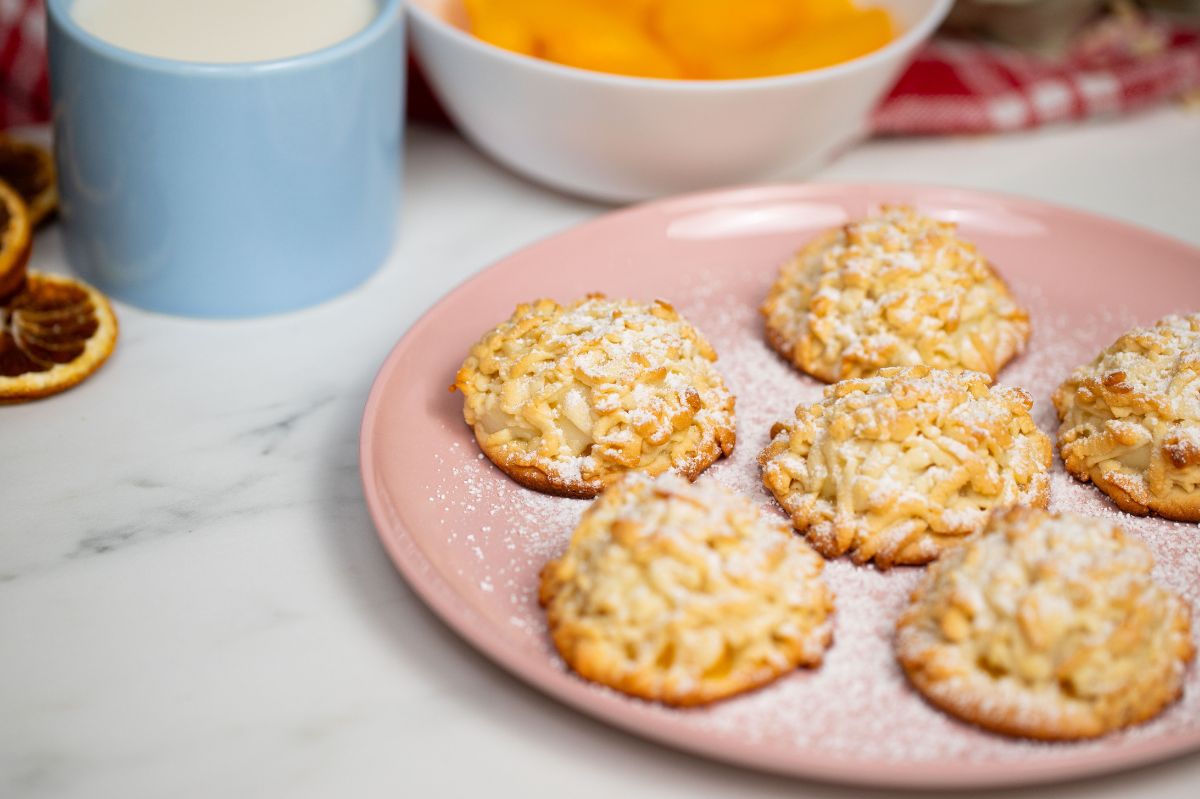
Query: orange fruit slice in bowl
(15, 240)
(54, 332)
(29, 169)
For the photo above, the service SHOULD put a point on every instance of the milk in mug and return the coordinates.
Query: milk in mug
(223, 31)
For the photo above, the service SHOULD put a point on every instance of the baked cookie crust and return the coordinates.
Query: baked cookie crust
(1130, 420)
(896, 289)
(898, 467)
(685, 593)
(1046, 626)
(565, 399)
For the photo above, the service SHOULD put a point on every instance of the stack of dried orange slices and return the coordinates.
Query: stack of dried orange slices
(54, 331)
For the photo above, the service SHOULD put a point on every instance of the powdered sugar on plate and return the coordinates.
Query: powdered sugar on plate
(858, 704)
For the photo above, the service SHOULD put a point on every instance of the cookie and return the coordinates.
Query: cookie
(1047, 626)
(685, 593)
(1130, 420)
(896, 289)
(898, 467)
(565, 399)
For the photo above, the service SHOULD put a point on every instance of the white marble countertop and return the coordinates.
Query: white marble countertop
(193, 602)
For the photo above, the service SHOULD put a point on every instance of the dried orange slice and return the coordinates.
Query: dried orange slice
(29, 169)
(14, 240)
(54, 332)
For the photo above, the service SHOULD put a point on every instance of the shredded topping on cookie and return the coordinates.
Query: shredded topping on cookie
(1046, 625)
(897, 467)
(582, 393)
(1131, 419)
(898, 289)
(685, 593)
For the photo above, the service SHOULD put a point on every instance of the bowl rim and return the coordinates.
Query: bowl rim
(920, 31)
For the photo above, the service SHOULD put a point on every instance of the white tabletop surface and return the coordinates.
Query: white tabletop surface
(193, 602)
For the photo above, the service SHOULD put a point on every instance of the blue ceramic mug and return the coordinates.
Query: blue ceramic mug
(227, 190)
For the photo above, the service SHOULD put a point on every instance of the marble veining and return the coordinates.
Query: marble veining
(272, 434)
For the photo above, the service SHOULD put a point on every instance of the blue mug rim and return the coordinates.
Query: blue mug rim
(59, 12)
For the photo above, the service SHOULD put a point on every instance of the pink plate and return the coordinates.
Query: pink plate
(471, 542)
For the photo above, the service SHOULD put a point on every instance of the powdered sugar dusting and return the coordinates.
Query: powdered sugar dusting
(857, 705)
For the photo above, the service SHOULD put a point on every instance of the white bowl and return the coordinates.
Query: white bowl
(618, 138)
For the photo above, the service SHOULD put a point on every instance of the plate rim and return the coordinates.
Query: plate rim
(426, 581)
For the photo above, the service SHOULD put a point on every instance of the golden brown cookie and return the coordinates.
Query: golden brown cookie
(898, 467)
(1047, 626)
(1131, 420)
(897, 289)
(685, 593)
(567, 398)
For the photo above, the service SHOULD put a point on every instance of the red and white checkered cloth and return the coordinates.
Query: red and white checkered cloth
(24, 82)
(1120, 65)
(951, 87)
